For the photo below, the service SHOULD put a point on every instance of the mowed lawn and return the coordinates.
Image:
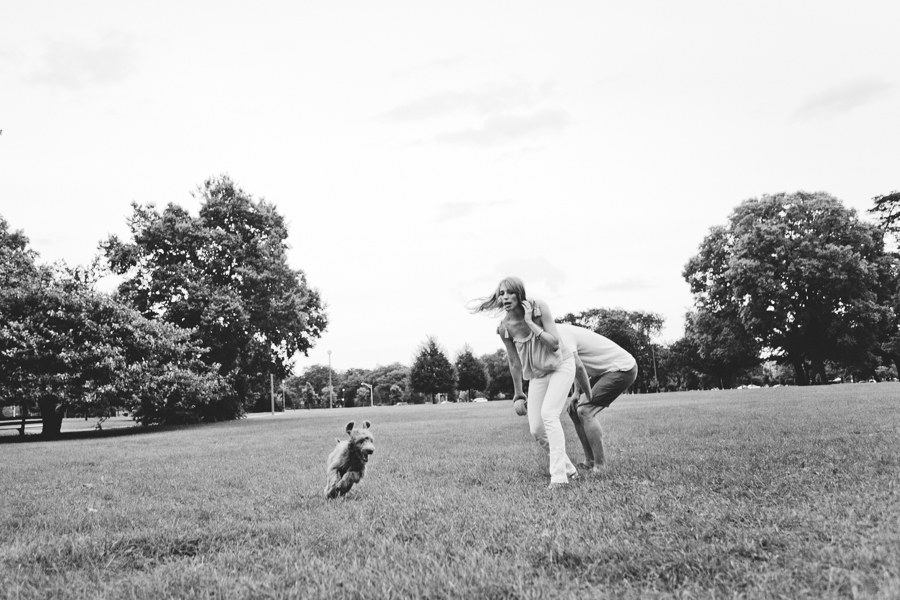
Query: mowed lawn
(786, 492)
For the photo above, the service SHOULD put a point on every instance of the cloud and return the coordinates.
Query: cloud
(535, 272)
(844, 98)
(73, 65)
(438, 63)
(625, 285)
(457, 210)
(503, 128)
(490, 100)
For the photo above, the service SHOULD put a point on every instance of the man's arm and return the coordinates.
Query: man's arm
(581, 379)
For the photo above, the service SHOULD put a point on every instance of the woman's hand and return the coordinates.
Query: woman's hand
(529, 310)
(520, 405)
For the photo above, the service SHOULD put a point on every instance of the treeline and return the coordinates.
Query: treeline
(207, 312)
(434, 377)
(793, 290)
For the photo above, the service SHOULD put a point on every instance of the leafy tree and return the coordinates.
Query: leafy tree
(352, 381)
(363, 397)
(472, 373)
(887, 209)
(499, 378)
(681, 360)
(396, 393)
(724, 348)
(432, 372)
(224, 276)
(309, 396)
(385, 378)
(803, 276)
(317, 377)
(67, 347)
(17, 261)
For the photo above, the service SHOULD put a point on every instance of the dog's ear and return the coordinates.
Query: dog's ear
(349, 427)
(366, 424)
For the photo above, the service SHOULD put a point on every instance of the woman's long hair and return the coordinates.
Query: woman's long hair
(491, 304)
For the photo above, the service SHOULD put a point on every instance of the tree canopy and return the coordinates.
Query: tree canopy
(67, 347)
(223, 275)
(801, 274)
(431, 372)
(471, 373)
(499, 378)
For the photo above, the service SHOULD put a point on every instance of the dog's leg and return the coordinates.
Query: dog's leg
(332, 483)
(347, 481)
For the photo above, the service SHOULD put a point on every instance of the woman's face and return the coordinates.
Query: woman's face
(508, 298)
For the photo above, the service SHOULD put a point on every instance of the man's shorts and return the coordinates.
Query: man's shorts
(610, 386)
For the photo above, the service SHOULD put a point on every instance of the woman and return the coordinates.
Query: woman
(536, 352)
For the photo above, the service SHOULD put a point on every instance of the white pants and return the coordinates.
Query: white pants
(546, 400)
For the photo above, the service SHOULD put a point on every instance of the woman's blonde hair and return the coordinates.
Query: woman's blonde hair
(491, 304)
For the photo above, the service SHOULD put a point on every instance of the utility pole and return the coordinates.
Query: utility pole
(272, 391)
(330, 389)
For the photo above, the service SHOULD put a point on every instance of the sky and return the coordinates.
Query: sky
(423, 151)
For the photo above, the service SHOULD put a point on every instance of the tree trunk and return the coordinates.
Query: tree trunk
(52, 413)
(799, 372)
(817, 369)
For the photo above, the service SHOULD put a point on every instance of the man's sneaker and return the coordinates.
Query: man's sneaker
(575, 477)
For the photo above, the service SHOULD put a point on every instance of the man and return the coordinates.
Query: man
(614, 369)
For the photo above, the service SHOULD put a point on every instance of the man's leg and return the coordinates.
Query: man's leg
(582, 437)
(593, 433)
(609, 387)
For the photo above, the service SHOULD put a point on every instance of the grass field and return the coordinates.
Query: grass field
(767, 493)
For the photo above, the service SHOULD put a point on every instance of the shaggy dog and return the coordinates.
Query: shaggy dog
(347, 462)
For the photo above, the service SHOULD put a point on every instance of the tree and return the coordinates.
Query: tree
(386, 378)
(223, 275)
(396, 393)
(352, 384)
(724, 348)
(65, 346)
(887, 210)
(17, 261)
(472, 373)
(432, 372)
(802, 275)
(317, 376)
(499, 378)
(681, 362)
(309, 395)
(362, 398)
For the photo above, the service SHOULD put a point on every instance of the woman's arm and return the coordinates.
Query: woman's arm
(545, 330)
(515, 366)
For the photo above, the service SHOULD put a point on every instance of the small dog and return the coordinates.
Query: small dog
(347, 462)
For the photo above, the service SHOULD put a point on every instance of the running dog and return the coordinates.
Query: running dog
(347, 462)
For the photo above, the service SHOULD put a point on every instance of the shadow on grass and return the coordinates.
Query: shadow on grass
(91, 434)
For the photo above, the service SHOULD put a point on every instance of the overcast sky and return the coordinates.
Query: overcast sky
(421, 151)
